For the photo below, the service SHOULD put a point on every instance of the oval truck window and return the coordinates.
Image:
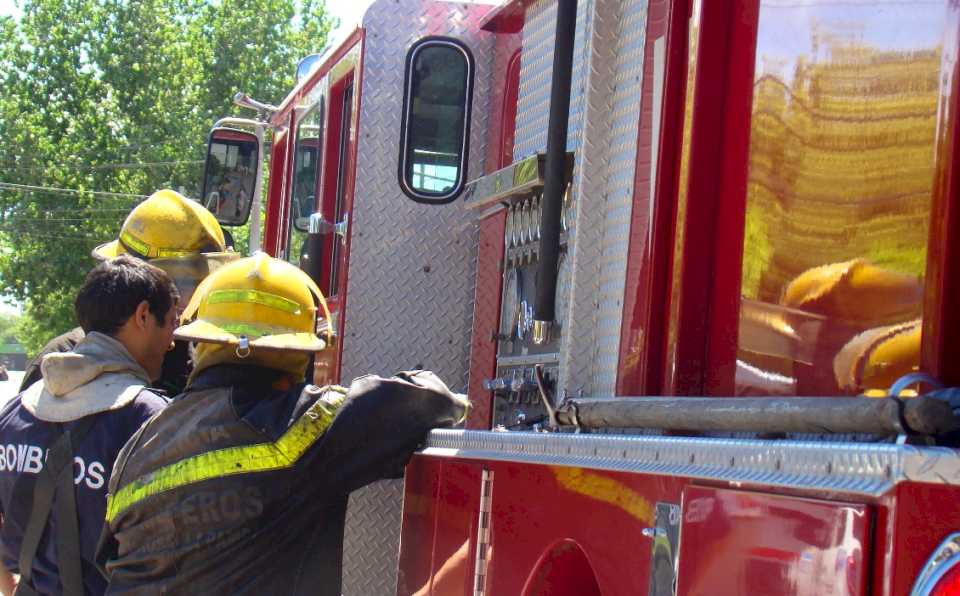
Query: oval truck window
(434, 134)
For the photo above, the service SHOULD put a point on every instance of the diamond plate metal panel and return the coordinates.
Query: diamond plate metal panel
(536, 67)
(486, 317)
(579, 351)
(620, 164)
(604, 115)
(411, 271)
(854, 468)
(371, 540)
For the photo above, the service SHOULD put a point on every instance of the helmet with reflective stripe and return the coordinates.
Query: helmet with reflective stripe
(876, 358)
(256, 303)
(166, 225)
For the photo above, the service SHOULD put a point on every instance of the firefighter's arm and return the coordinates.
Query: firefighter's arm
(379, 426)
(8, 581)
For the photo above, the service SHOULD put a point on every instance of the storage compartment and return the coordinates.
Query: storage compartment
(739, 542)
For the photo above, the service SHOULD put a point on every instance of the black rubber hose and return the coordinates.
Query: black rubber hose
(555, 167)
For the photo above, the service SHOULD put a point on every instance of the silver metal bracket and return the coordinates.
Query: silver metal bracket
(541, 332)
(545, 397)
(664, 549)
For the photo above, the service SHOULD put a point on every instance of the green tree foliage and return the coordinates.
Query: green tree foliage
(109, 96)
(8, 328)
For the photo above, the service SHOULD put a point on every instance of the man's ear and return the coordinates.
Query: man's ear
(140, 315)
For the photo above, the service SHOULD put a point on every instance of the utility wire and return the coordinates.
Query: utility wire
(51, 189)
(17, 218)
(121, 148)
(106, 166)
(65, 237)
(53, 233)
(10, 211)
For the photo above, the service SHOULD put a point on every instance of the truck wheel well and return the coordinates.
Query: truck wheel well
(562, 570)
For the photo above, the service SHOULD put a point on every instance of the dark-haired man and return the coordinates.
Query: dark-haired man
(177, 235)
(60, 437)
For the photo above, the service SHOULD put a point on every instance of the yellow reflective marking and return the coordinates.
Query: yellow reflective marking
(254, 297)
(148, 251)
(525, 171)
(245, 459)
(606, 490)
(255, 331)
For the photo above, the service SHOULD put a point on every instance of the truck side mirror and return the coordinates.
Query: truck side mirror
(230, 174)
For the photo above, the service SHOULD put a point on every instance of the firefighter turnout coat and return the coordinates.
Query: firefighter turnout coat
(240, 486)
(100, 388)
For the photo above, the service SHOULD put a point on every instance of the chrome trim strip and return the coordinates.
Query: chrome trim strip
(529, 359)
(856, 468)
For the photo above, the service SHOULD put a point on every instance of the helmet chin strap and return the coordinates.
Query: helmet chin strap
(292, 362)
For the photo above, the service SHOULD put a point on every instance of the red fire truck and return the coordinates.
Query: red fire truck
(692, 261)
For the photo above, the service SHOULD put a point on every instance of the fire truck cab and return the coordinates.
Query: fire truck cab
(693, 262)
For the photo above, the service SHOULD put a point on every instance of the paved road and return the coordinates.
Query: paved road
(9, 388)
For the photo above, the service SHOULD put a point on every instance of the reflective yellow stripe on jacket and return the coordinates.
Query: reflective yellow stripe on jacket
(243, 459)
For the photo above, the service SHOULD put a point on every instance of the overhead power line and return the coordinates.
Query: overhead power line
(20, 218)
(81, 212)
(44, 236)
(106, 166)
(73, 191)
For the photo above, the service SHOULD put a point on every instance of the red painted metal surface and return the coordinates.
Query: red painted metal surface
(563, 570)
(275, 194)
(335, 204)
(339, 180)
(738, 542)
(717, 103)
(941, 329)
(281, 158)
(733, 541)
(486, 318)
(438, 536)
(504, 89)
(536, 507)
(642, 337)
(925, 514)
(332, 184)
(327, 363)
(508, 118)
(421, 501)
(506, 18)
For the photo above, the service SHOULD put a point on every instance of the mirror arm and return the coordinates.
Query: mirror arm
(254, 240)
(245, 101)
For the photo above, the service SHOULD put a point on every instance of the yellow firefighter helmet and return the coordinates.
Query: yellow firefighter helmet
(857, 292)
(256, 303)
(166, 225)
(874, 359)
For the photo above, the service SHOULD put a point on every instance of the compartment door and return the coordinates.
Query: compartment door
(740, 542)
(322, 181)
(336, 206)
